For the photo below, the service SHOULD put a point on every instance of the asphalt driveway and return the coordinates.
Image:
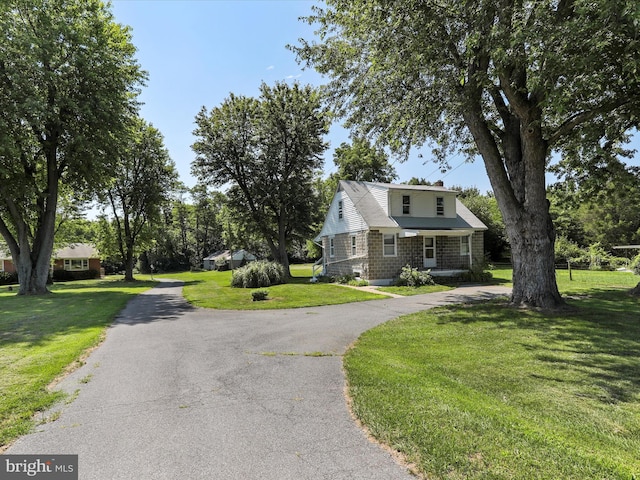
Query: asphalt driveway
(177, 392)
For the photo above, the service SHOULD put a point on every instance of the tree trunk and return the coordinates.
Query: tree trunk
(32, 276)
(534, 279)
(635, 291)
(128, 264)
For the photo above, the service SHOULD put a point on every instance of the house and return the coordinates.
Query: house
(223, 258)
(76, 257)
(6, 262)
(372, 230)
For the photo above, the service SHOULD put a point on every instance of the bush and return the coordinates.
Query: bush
(345, 279)
(67, 276)
(412, 277)
(259, 295)
(7, 278)
(258, 274)
(635, 265)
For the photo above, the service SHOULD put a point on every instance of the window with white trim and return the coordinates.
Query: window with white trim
(75, 264)
(389, 246)
(406, 205)
(332, 247)
(354, 246)
(440, 206)
(464, 245)
(340, 210)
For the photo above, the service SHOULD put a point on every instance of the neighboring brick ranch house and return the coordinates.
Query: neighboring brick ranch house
(372, 230)
(75, 257)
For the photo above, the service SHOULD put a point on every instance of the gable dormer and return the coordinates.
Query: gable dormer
(422, 202)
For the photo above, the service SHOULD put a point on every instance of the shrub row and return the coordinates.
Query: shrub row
(7, 278)
(258, 274)
(66, 275)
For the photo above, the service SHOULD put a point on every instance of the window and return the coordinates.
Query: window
(340, 212)
(439, 206)
(389, 245)
(464, 246)
(406, 204)
(354, 247)
(332, 247)
(76, 264)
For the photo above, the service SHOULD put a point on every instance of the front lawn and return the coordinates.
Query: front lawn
(41, 336)
(212, 289)
(487, 391)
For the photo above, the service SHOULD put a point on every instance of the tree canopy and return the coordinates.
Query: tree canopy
(510, 81)
(143, 183)
(68, 80)
(267, 150)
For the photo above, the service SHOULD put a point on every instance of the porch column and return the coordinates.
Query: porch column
(471, 251)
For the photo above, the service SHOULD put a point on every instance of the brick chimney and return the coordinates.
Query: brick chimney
(439, 183)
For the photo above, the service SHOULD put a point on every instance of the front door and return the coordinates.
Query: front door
(429, 252)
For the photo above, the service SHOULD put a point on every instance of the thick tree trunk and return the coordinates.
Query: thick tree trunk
(532, 247)
(635, 291)
(32, 276)
(516, 170)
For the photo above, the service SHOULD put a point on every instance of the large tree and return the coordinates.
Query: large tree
(68, 78)
(363, 162)
(143, 183)
(267, 150)
(512, 81)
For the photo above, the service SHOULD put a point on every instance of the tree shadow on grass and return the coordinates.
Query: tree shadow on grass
(598, 340)
(73, 308)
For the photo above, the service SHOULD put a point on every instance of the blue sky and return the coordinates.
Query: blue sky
(197, 52)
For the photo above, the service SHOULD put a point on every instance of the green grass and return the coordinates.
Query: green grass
(490, 392)
(41, 336)
(408, 291)
(212, 289)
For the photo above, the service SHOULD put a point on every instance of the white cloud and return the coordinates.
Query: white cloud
(291, 77)
(271, 67)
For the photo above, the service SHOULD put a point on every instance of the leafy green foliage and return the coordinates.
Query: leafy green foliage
(635, 265)
(362, 162)
(66, 275)
(512, 82)
(8, 278)
(68, 81)
(261, 273)
(412, 277)
(144, 181)
(268, 149)
(259, 295)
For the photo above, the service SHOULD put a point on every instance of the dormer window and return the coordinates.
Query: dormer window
(440, 206)
(340, 212)
(406, 205)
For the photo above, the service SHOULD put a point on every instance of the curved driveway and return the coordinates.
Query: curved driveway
(177, 392)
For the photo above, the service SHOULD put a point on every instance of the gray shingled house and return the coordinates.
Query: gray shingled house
(372, 230)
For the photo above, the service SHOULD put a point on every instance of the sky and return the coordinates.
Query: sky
(197, 52)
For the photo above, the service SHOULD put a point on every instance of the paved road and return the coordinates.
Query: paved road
(177, 392)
